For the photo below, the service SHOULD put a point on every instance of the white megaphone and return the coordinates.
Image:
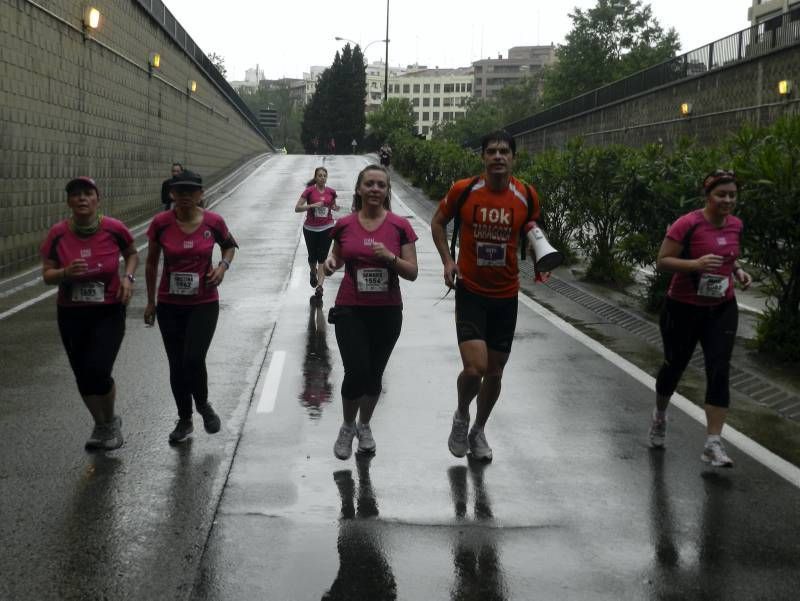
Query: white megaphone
(547, 257)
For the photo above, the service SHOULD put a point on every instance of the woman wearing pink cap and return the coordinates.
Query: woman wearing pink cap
(318, 201)
(188, 301)
(81, 255)
(377, 248)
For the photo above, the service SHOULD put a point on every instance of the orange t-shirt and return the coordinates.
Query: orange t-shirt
(489, 236)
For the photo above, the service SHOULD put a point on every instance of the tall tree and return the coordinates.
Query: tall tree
(337, 108)
(612, 40)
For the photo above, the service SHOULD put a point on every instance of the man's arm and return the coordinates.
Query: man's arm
(439, 232)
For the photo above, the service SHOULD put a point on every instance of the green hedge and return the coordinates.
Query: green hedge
(614, 204)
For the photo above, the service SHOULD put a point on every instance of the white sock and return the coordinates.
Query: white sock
(712, 438)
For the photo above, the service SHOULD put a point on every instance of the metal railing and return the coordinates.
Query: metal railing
(779, 32)
(161, 14)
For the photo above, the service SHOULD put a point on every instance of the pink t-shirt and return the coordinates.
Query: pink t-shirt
(369, 280)
(712, 288)
(319, 218)
(187, 257)
(101, 250)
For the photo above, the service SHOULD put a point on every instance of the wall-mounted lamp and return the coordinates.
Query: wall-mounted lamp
(686, 109)
(154, 61)
(785, 87)
(191, 86)
(91, 17)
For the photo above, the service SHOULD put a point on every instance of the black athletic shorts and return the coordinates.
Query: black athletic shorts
(492, 320)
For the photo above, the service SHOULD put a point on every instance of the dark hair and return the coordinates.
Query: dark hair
(177, 165)
(313, 180)
(498, 135)
(387, 202)
(717, 178)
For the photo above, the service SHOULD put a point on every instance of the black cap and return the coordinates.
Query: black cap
(79, 182)
(186, 179)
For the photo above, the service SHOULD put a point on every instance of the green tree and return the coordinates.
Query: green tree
(336, 110)
(608, 42)
(219, 62)
(767, 164)
(481, 116)
(395, 114)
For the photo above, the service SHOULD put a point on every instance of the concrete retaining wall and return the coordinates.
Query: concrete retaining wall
(77, 104)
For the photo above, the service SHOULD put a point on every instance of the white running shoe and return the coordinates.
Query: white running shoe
(478, 446)
(658, 430)
(343, 447)
(457, 443)
(366, 443)
(714, 453)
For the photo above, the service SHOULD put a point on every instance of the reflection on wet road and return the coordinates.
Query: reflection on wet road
(317, 389)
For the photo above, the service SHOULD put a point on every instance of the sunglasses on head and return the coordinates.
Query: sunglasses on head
(716, 177)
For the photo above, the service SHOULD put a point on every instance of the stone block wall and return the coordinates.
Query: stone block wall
(77, 104)
(722, 100)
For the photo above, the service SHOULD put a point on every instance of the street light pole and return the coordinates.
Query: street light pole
(386, 61)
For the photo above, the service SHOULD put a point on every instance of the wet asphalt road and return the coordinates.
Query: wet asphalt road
(574, 506)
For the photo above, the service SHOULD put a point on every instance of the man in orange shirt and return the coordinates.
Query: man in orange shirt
(492, 210)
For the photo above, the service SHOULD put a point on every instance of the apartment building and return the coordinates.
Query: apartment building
(436, 95)
(493, 74)
(762, 10)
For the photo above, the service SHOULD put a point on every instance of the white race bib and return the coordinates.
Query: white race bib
(88, 292)
(712, 286)
(491, 254)
(321, 212)
(184, 283)
(372, 279)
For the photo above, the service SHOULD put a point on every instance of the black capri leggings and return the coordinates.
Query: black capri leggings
(366, 337)
(318, 245)
(187, 331)
(682, 325)
(92, 337)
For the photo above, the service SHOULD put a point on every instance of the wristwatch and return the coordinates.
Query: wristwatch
(130, 277)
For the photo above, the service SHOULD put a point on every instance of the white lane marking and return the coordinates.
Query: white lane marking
(27, 304)
(766, 457)
(745, 444)
(49, 293)
(749, 308)
(269, 391)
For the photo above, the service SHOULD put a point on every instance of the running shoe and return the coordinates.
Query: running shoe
(106, 437)
(366, 443)
(318, 291)
(343, 447)
(211, 421)
(658, 430)
(313, 278)
(478, 447)
(183, 427)
(457, 443)
(714, 453)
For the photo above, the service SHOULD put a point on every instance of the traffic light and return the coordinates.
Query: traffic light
(268, 117)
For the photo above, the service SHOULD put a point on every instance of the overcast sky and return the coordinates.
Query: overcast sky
(286, 38)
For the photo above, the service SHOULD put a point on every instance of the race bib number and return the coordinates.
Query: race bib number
(372, 279)
(712, 286)
(490, 254)
(321, 212)
(88, 292)
(184, 284)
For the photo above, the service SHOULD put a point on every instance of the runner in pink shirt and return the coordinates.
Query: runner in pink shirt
(318, 202)
(188, 301)
(376, 247)
(81, 255)
(701, 249)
